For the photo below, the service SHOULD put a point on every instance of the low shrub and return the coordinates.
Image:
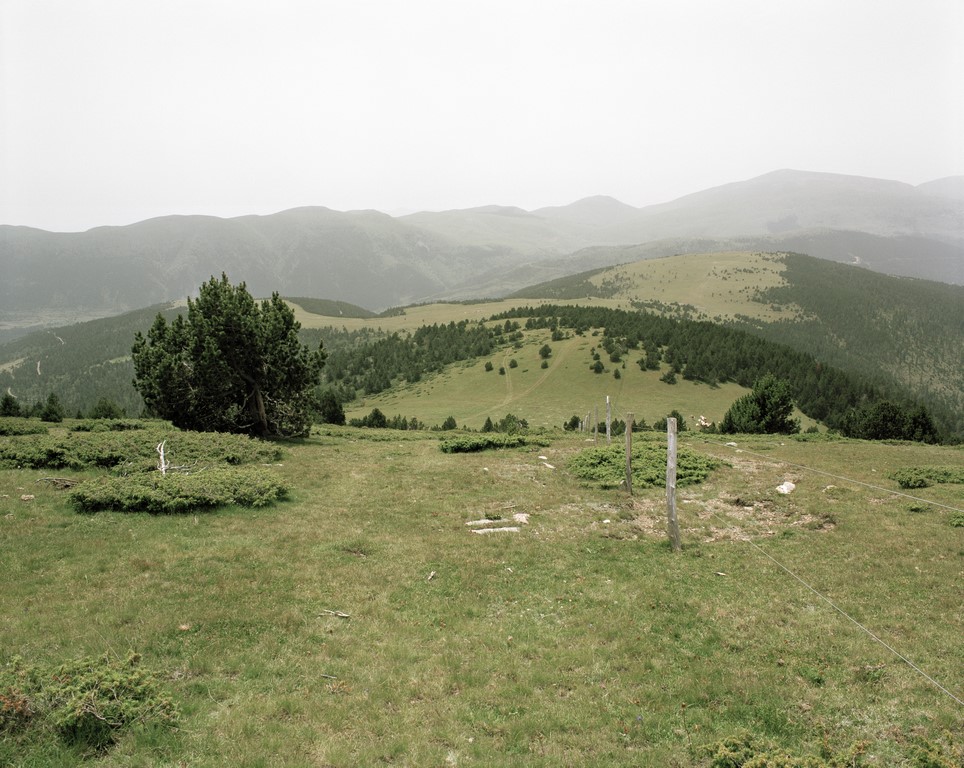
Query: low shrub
(744, 751)
(107, 425)
(486, 441)
(88, 702)
(14, 425)
(923, 477)
(133, 450)
(177, 492)
(606, 465)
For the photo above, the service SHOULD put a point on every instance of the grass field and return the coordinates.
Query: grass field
(717, 285)
(581, 639)
(547, 397)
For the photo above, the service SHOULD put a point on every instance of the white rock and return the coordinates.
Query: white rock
(509, 529)
(786, 487)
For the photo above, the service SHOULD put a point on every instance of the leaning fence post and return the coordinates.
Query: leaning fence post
(629, 453)
(673, 525)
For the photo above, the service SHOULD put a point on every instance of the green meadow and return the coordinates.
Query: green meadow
(547, 397)
(363, 621)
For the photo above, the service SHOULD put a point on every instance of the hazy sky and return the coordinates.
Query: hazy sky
(113, 111)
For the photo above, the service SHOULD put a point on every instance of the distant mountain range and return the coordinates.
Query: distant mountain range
(376, 261)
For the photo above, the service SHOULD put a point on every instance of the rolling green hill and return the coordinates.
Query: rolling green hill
(901, 338)
(899, 333)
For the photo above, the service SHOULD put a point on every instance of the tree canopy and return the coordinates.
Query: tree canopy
(768, 409)
(231, 365)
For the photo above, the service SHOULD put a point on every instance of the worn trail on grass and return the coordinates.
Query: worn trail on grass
(510, 395)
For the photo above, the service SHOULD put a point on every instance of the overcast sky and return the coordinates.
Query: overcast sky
(114, 111)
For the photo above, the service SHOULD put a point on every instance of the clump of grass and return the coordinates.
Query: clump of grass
(606, 466)
(176, 492)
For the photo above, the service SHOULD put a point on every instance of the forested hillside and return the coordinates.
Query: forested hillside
(711, 353)
(902, 334)
(889, 330)
(79, 363)
(832, 361)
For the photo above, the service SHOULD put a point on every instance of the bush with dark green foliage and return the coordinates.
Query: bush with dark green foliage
(330, 410)
(660, 424)
(887, 420)
(105, 408)
(87, 702)
(178, 492)
(606, 465)
(374, 420)
(231, 366)
(53, 410)
(12, 425)
(133, 451)
(511, 424)
(924, 477)
(9, 406)
(767, 410)
(486, 442)
(107, 425)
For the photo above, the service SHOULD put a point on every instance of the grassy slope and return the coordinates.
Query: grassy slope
(548, 397)
(895, 331)
(580, 640)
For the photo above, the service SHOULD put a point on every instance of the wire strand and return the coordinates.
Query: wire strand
(823, 597)
(838, 477)
(856, 623)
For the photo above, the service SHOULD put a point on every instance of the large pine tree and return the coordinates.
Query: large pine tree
(231, 366)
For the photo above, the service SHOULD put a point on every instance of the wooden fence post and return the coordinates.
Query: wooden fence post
(673, 525)
(629, 453)
(595, 425)
(609, 419)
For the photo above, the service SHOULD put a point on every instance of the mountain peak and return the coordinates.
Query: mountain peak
(949, 186)
(600, 210)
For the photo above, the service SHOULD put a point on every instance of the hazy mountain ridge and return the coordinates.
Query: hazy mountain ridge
(376, 261)
(787, 200)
